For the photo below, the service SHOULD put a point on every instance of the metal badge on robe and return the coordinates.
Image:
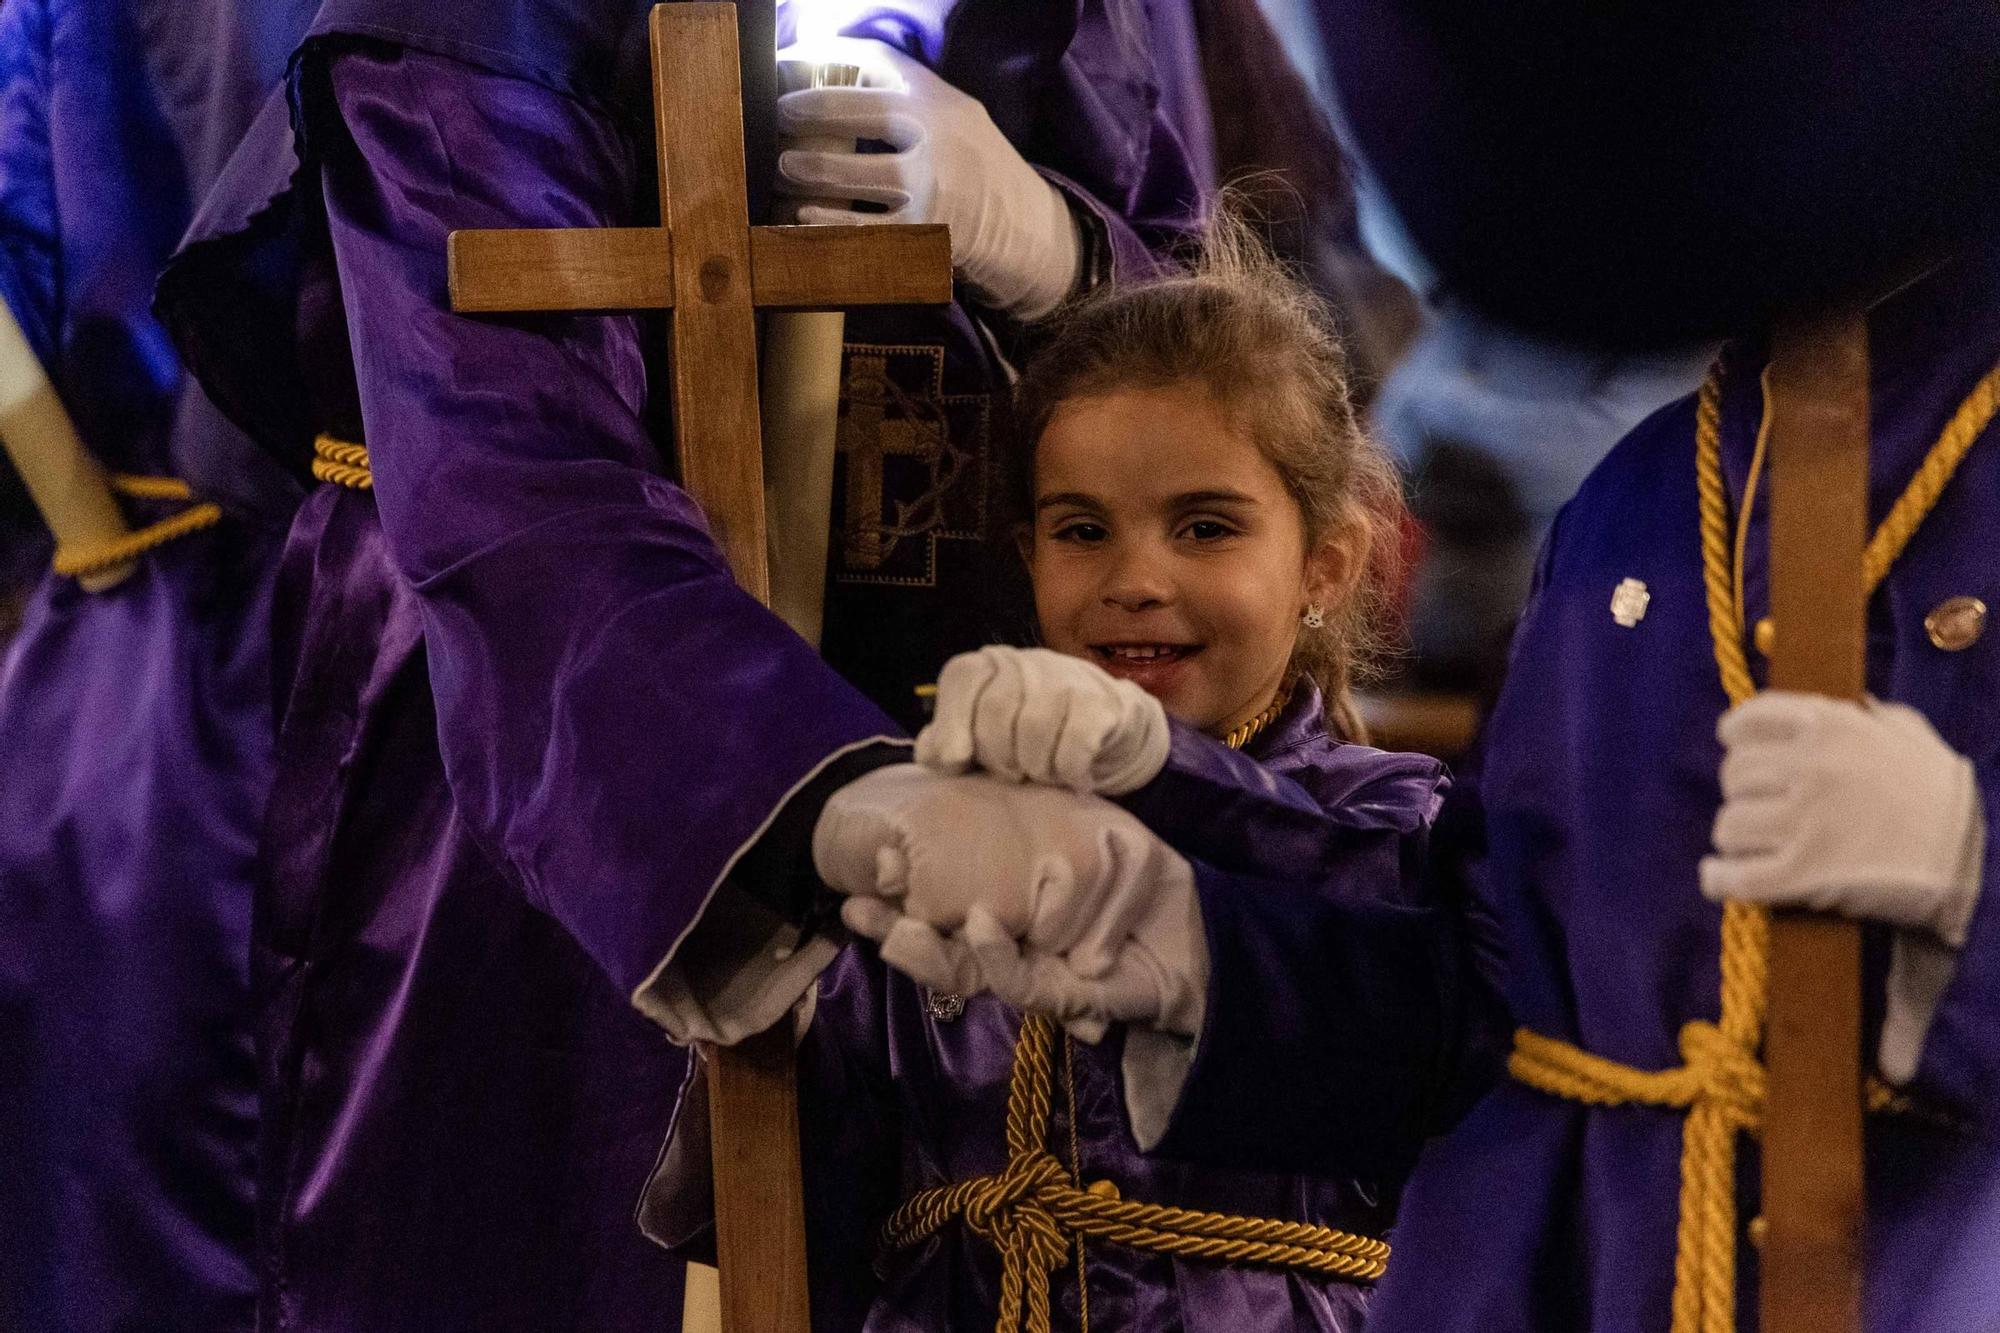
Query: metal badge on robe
(912, 466)
(1629, 601)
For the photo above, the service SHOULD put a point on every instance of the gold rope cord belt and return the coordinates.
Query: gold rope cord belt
(1030, 1211)
(75, 562)
(342, 463)
(334, 460)
(1033, 1208)
(1720, 1082)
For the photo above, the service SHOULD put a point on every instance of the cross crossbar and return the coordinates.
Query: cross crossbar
(631, 268)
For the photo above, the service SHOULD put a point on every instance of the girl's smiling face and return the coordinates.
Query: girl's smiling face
(1166, 549)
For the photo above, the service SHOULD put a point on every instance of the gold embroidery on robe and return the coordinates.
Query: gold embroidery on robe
(912, 468)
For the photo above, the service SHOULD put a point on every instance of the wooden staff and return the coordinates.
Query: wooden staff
(713, 270)
(63, 478)
(1811, 1260)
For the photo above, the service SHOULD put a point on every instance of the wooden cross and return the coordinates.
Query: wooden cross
(1812, 1167)
(712, 269)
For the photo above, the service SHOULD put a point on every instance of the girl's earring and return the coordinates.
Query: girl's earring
(1315, 616)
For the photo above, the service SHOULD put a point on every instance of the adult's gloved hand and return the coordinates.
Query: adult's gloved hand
(1032, 715)
(1860, 809)
(1080, 910)
(1012, 236)
(1855, 808)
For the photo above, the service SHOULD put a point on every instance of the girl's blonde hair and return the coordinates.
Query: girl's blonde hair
(1236, 321)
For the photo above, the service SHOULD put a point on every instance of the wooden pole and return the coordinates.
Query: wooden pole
(1812, 1145)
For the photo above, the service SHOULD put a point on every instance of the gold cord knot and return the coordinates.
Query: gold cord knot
(1031, 1209)
(1725, 1072)
(342, 463)
(1000, 1205)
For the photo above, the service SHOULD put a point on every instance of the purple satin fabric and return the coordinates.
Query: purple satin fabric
(135, 766)
(530, 720)
(1600, 790)
(135, 725)
(459, 1104)
(896, 1099)
(527, 717)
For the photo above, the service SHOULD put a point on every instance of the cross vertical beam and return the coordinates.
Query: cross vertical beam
(704, 205)
(760, 1243)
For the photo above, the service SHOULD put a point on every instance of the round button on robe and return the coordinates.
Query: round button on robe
(1956, 623)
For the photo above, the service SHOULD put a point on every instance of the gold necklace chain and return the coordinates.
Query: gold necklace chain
(1248, 732)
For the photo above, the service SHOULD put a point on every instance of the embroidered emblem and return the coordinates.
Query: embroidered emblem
(1956, 623)
(944, 1006)
(912, 465)
(1629, 602)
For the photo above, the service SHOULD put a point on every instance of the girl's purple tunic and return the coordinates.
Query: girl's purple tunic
(901, 1092)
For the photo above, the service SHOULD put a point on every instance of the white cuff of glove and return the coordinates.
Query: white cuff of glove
(734, 976)
(1032, 715)
(1027, 261)
(1921, 968)
(1155, 1067)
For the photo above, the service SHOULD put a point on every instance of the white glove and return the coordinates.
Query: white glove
(1859, 809)
(1103, 911)
(1852, 808)
(1032, 715)
(1012, 236)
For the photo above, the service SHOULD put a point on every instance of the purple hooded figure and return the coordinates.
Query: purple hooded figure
(531, 733)
(137, 720)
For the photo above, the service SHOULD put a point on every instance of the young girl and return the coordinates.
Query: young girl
(1208, 524)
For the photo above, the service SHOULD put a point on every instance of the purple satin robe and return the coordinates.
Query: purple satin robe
(898, 1096)
(528, 721)
(136, 722)
(1600, 789)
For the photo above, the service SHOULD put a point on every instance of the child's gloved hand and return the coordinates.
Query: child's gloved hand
(1159, 978)
(1083, 911)
(1012, 236)
(1859, 809)
(1032, 715)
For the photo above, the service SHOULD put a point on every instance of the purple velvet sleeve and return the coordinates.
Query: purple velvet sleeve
(1350, 1014)
(1334, 1040)
(1222, 806)
(1125, 255)
(617, 719)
